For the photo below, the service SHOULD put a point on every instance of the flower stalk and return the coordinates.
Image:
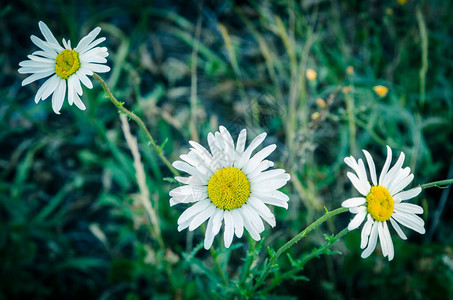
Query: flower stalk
(121, 108)
(293, 241)
(439, 184)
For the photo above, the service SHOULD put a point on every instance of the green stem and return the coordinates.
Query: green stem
(139, 121)
(294, 240)
(250, 258)
(436, 183)
(305, 259)
(218, 266)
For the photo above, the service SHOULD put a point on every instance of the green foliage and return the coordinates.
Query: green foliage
(72, 224)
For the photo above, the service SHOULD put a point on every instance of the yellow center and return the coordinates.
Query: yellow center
(379, 203)
(67, 63)
(228, 188)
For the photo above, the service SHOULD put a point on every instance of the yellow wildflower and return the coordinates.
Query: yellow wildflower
(311, 74)
(380, 90)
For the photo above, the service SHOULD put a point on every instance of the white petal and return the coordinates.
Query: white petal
(409, 194)
(198, 192)
(258, 157)
(393, 172)
(366, 230)
(408, 208)
(47, 33)
(400, 176)
(275, 198)
(185, 167)
(202, 217)
(196, 162)
(362, 172)
(49, 70)
(371, 166)
(238, 223)
(402, 184)
(242, 138)
(192, 180)
(398, 229)
(47, 88)
(50, 55)
(193, 210)
(357, 209)
(386, 165)
(388, 238)
(264, 165)
(78, 102)
(229, 228)
(248, 226)
(372, 241)
(254, 218)
(384, 245)
(248, 152)
(71, 90)
(351, 162)
(185, 199)
(85, 41)
(215, 152)
(43, 63)
(228, 141)
(84, 79)
(203, 155)
(94, 43)
(97, 68)
(51, 49)
(37, 76)
(58, 96)
(217, 220)
(269, 185)
(361, 186)
(410, 221)
(357, 220)
(352, 202)
(209, 237)
(262, 210)
(268, 175)
(94, 55)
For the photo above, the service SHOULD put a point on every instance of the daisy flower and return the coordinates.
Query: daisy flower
(65, 66)
(382, 203)
(228, 185)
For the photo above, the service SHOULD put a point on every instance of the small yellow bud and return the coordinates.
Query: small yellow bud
(380, 90)
(321, 103)
(350, 70)
(315, 116)
(389, 11)
(311, 74)
(346, 89)
(401, 2)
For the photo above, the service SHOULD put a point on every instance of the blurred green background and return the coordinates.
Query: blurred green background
(71, 224)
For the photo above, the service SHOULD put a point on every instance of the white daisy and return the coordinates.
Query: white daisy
(66, 66)
(229, 184)
(382, 202)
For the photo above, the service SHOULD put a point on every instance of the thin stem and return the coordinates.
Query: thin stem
(214, 255)
(250, 258)
(121, 108)
(218, 266)
(438, 184)
(294, 240)
(307, 258)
